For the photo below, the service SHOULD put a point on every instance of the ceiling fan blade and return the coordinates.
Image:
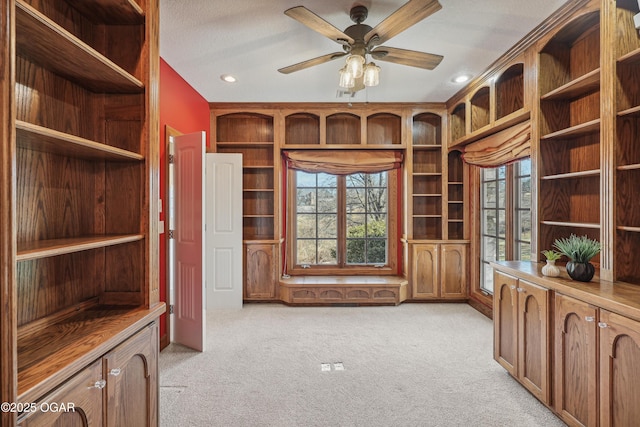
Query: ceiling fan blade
(311, 62)
(313, 21)
(413, 58)
(407, 15)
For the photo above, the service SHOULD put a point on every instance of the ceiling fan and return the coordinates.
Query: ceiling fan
(360, 39)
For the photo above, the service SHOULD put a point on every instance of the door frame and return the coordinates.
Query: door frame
(169, 133)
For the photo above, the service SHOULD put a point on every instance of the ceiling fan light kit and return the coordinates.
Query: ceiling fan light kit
(360, 40)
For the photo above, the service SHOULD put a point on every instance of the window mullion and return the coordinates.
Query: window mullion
(342, 221)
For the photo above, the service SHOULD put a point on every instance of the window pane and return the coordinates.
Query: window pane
(524, 221)
(376, 225)
(306, 226)
(306, 200)
(502, 172)
(355, 225)
(502, 223)
(327, 251)
(355, 251)
(524, 251)
(524, 190)
(326, 180)
(327, 200)
(502, 250)
(524, 167)
(490, 195)
(489, 249)
(356, 200)
(306, 252)
(327, 226)
(377, 251)
(377, 199)
(487, 283)
(502, 194)
(304, 179)
(489, 222)
(488, 174)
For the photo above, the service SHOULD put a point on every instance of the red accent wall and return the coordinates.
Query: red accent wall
(185, 110)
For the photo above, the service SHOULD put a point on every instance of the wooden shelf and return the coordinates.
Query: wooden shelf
(630, 58)
(82, 64)
(258, 190)
(54, 351)
(38, 138)
(244, 144)
(257, 166)
(583, 85)
(581, 174)
(426, 147)
(574, 131)
(632, 167)
(456, 201)
(427, 216)
(629, 229)
(455, 183)
(111, 11)
(257, 216)
(427, 195)
(53, 247)
(455, 220)
(633, 111)
(571, 224)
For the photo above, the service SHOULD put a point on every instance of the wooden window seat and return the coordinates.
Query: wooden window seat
(336, 290)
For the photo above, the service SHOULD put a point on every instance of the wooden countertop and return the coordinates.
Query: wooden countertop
(619, 297)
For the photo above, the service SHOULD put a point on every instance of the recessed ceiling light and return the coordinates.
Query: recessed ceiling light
(461, 78)
(228, 78)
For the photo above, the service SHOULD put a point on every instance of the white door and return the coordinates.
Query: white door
(223, 253)
(187, 223)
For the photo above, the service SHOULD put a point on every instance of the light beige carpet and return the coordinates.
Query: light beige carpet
(411, 365)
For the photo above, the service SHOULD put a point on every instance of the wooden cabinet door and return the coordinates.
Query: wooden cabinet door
(83, 391)
(619, 370)
(453, 270)
(575, 365)
(533, 338)
(505, 321)
(131, 371)
(260, 271)
(425, 268)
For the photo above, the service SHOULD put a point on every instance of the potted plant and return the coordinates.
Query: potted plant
(579, 250)
(550, 269)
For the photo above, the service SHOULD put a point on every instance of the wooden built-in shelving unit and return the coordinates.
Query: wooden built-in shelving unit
(569, 163)
(83, 160)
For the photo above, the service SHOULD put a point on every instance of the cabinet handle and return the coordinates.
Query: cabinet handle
(99, 384)
(602, 325)
(521, 290)
(513, 286)
(115, 372)
(589, 318)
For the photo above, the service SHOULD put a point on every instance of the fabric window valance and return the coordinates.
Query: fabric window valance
(343, 162)
(503, 147)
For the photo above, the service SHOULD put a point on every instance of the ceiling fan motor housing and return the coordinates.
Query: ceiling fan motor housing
(358, 14)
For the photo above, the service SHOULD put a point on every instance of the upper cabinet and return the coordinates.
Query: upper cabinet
(495, 104)
(342, 127)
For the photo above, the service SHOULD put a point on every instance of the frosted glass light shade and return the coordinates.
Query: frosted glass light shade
(355, 65)
(346, 78)
(371, 74)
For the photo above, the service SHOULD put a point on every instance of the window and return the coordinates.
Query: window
(505, 197)
(341, 221)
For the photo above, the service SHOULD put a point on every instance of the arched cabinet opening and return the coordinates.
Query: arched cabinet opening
(510, 91)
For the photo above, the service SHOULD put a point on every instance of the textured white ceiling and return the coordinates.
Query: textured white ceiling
(202, 39)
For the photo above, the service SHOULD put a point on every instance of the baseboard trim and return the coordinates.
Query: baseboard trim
(482, 308)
